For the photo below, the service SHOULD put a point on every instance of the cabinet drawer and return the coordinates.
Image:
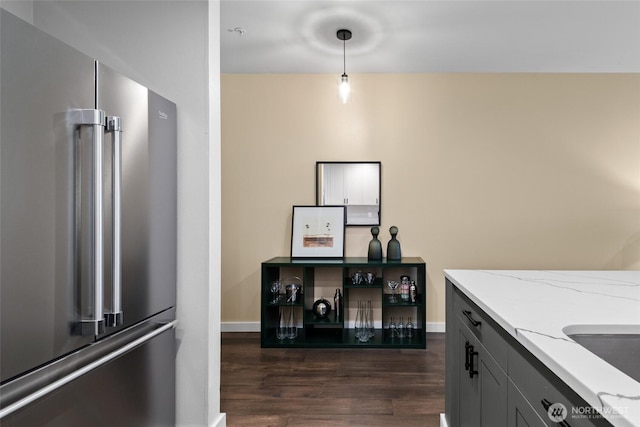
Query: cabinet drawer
(482, 327)
(541, 389)
(520, 412)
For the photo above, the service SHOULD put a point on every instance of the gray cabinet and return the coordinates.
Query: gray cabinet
(544, 392)
(492, 392)
(478, 396)
(492, 380)
(519, 411)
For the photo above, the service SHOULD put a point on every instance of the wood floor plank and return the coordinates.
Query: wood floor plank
(330, 387)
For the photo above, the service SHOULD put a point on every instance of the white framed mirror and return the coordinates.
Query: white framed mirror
(353, 184)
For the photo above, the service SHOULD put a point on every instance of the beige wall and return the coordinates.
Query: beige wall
(499, 171)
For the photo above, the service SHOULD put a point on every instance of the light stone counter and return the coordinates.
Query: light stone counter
(535, 307)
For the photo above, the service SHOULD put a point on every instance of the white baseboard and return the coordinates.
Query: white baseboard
(239, 326)
(255, 327)
(436, 327)
(220, 421)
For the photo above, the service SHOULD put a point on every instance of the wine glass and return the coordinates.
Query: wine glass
(393, 285)
(275, 291)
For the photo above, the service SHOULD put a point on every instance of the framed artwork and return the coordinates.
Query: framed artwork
(318, 232)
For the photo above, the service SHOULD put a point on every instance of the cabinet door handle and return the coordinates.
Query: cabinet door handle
(472, 371)
(467, 347)
(546, 405)
(473, 321)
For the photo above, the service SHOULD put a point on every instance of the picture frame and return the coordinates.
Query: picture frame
(355, 184)
(318, 231)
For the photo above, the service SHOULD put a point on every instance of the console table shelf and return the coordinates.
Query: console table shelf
(319, 278)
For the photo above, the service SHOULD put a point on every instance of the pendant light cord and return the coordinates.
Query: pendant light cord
(344, 56)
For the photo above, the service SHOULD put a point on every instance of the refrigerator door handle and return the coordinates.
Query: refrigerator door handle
(115, 316)
(94, 324)
(11, 408)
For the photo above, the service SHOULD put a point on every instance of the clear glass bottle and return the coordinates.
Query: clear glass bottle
(392, 328)
(337, 305)
(409, 329)
(292, 327)
(413, 291)
(404, 288)
(358, 322)
(281, 331)
(371, 327)
(400, 328)
(362, 328)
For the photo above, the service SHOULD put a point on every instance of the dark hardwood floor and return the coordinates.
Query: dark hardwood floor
(331, 387)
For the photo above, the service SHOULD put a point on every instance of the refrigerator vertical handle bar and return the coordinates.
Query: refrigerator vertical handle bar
(115, 317)
(94, 325)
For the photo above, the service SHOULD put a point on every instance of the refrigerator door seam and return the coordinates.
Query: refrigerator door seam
(82, 371)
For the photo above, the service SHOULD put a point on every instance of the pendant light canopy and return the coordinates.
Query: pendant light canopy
(344, 88)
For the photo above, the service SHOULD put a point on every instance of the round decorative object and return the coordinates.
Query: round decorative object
(321, 308)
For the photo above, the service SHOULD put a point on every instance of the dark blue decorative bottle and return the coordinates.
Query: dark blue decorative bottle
(375, 247)
(393, 247)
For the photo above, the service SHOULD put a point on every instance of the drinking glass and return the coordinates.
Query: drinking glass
(370, 278)
(392, 284)
(357, 278)
(275, 291)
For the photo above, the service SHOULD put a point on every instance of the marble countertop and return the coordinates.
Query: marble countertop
(535, 306)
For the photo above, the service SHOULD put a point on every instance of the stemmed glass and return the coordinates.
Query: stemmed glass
(275, 291)
(392, 284)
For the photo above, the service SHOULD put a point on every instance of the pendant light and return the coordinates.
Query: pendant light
(344, 88)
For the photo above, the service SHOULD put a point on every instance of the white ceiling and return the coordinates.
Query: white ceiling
(418, 36)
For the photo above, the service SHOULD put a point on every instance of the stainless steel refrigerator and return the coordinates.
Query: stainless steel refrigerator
(87, 240)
